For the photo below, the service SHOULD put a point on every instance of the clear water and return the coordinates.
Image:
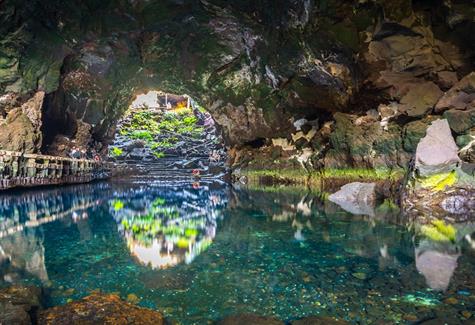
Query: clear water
(201, 252)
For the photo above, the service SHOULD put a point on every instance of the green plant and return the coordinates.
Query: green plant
(116, 152)
(158, 154)
(141, 135)
(147, 126)
(158, 202)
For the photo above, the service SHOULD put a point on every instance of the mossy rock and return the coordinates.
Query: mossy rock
(460, 121)
(413, 132)
(439, 182)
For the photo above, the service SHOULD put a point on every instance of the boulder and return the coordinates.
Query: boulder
(437, 152)
(421, 98)
(413, 132)
(356, 198)
(100, 309)
(446, 79)
(460, 121)
(461, 96)
(17, 303)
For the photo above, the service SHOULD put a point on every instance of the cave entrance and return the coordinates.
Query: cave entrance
(169, 136)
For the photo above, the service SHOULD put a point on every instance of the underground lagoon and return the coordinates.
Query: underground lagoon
(244, 162)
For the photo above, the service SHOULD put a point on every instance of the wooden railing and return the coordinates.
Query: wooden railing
(25, 170)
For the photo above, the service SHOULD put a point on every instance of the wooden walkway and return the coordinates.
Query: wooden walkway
(26, 170)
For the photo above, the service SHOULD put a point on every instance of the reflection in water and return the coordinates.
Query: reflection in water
(162, 231)
(437, 263)
(198, 253)
(21, 213)
(22, 253)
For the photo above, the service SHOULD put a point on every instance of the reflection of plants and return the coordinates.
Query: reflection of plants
(439, 182)
(158, 202)
(164, 221)
(162, 232)
(118, 205)
(439, 231)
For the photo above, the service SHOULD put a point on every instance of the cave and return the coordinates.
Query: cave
(168, 132)
(237, 162)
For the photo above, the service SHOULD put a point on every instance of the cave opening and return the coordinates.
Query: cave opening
(169, 135)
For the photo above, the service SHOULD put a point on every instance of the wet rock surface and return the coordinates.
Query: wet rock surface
(19, 305)
(100, 309)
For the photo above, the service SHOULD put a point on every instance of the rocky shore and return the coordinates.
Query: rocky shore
(22, 306)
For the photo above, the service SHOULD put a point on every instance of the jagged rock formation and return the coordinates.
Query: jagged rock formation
(21, 129)
(366, 75)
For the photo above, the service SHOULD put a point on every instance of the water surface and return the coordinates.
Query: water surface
(201, 252)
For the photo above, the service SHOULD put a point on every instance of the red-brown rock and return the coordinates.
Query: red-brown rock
(100, 309)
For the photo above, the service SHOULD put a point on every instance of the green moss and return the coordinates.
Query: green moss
(361, 173)
(283, 175)
(438, 182)
(439, 231)
(312, 179)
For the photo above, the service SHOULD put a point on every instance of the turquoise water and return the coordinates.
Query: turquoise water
(201, 252)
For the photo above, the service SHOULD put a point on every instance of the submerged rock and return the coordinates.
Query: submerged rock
(437, 152)
(356, 198)
(100, 309)
(17, 304)
(318, 320)
(247, 319)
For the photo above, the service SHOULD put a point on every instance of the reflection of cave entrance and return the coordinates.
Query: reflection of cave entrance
(170, 135)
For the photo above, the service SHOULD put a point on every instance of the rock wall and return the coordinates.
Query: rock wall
(18, 169)
(365, 75)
